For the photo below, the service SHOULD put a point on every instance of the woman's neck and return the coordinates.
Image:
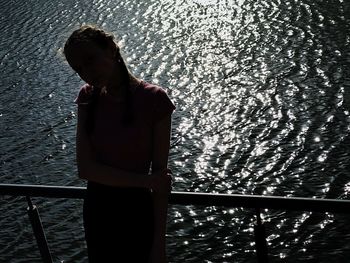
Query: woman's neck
(117, 87)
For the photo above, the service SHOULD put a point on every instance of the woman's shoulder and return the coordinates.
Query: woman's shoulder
(153, 89)
(162, 104)
(149, 87)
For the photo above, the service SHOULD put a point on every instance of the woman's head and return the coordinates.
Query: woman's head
(94, 55)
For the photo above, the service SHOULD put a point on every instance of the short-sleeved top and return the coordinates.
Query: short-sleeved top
(126, 146)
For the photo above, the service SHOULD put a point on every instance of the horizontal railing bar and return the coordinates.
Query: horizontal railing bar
(260, 201)
(195, 198)
(43, 191)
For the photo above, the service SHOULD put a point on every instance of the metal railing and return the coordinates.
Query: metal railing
(256, 202)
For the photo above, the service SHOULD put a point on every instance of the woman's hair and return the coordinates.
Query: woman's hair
(88, 34)
(103, 39)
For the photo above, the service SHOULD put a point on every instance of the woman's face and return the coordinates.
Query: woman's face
(93, 64)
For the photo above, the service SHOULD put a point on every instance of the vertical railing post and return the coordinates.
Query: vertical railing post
(260, 239)
(38, 230)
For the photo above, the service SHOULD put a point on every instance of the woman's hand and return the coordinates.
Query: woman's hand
(161, 181)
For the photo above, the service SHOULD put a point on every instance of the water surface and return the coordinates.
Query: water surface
(262, 96)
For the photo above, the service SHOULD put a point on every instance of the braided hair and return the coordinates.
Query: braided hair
(92, 34)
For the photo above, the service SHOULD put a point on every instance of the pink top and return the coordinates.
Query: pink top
(127, 147)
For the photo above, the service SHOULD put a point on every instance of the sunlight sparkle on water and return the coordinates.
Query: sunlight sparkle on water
(347, 188)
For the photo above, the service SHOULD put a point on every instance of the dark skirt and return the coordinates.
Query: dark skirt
(118, 224)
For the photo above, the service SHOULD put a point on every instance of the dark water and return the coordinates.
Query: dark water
(263, 99)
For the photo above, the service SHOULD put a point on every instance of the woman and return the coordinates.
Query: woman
(123, 130)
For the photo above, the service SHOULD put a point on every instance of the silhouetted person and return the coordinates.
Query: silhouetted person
(123, 130)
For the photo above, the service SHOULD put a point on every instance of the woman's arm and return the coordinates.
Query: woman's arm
(90, 169)
(161, 144)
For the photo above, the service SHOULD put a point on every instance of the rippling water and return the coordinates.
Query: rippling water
(262, 94)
